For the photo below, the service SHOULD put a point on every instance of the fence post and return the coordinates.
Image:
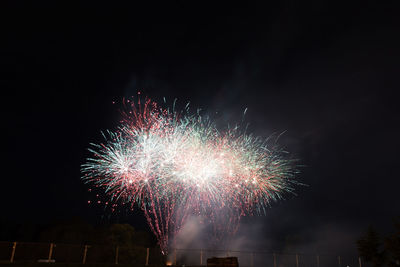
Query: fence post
(274, 259)
(201, 257)
(359, 261)
(13, 252)
(339, 261)
(297, 260)
(175, 256)
(147, 256)
(50, 251)
(116, 254)
(84, 254)
(317, 260)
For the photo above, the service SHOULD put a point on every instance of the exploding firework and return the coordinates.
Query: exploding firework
(174, 165)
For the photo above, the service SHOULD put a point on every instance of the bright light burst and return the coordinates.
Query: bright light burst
(173, 165)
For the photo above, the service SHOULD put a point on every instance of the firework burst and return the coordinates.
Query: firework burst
(173, 165)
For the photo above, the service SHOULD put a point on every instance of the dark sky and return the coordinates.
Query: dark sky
(324, 72)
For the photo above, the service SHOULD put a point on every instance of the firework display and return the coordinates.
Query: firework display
(174, 165)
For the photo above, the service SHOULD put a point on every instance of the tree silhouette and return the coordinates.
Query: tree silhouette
(73, 231)
(369, 247)
(392, 245)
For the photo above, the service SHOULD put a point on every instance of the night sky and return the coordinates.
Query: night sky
(325, 73)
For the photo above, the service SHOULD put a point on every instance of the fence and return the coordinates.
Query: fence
(23, 252)
(198, 257)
